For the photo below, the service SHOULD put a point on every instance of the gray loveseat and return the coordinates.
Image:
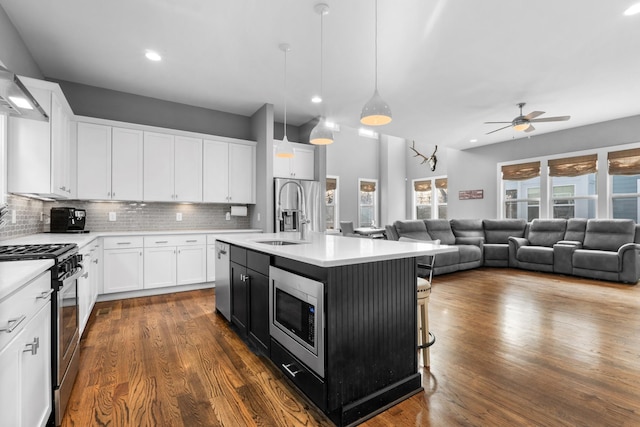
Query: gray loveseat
(605, 249)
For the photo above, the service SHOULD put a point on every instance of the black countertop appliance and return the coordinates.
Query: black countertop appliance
(68, 220)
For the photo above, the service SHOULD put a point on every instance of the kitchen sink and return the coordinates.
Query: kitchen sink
(281, 242)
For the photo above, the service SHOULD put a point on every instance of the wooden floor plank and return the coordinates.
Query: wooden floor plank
(512, 348)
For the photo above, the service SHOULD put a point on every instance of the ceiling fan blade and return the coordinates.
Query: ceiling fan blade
(552, 119)
(530, 128)
(508, 126)
(533, 115)
(492, 123)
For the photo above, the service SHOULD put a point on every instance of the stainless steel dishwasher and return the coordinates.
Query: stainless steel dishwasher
(223, 281)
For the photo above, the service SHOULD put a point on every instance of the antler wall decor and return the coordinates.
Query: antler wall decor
(432, 160)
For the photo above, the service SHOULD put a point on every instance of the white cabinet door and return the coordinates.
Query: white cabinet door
(211, 263)
(192, 264)
(303, 163)
(159, 267)
(188, 169)
(158, 167)
(241, 173)
(123, 270)
(216, 171)
(94, 161)
(126, 164)
(25, 365)
(281, 165)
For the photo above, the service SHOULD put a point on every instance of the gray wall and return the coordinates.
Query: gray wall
(477, 168)
(13, 52)
(262, 129)
(351, 157)
(393, 178)
(102, 103)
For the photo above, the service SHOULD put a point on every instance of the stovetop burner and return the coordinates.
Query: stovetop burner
(42, 251)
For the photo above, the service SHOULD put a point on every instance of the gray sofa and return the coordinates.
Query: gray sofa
(607, 249)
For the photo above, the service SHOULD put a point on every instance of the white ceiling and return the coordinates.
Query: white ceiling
(445, 66)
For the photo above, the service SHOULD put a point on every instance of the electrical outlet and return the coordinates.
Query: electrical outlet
(41, 216)
(258, 216)
(112, 216)
(13, 216)
(228, 216)
(179, 216)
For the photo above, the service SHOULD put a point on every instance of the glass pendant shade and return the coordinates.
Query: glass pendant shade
(376, 112)
(321, 134)
(521, 125)
(284, 149)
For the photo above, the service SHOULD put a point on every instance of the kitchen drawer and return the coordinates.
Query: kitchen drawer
(238, 255)
(17, 309)
(123, 242)
(303, 378)
(191, 239)
(160, 241)
(257, 261)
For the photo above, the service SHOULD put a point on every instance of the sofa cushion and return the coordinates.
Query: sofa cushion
(499, 230)
(575, 229)
(391, 233)
(440, 229)
(468, 253)
(591, 259)
(467, 227)
(498, 251)
(546, 232)
(608, 234)
(446, 258)
(413, 229)
(535, 255)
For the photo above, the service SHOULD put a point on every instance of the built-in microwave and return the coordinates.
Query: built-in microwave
(296, 316)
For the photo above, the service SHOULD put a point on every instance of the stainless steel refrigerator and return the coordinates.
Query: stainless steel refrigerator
(288, 208)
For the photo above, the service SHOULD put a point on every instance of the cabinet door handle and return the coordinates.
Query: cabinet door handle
(113, 194)
(85, 275)
(95, 261)
(124, 243)
(13, 323)
(45, 294)
(288, 369)
(162, 241)
(108, 193)
(32, 346)
(191, 241)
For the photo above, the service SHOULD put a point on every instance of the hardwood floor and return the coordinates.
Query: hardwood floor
(513, 348)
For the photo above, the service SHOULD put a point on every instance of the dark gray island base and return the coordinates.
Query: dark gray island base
(370, 336)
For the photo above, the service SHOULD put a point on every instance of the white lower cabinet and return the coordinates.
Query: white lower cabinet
(25, 360)
(123, 264)
(174, 260)
(89, 282)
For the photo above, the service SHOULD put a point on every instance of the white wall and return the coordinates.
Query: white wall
(13, 52)
(351, 157)
(393, 176)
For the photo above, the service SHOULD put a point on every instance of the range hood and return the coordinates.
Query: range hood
(15, 99)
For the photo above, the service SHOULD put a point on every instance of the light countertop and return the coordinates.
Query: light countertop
(14, 274)
(330, 250)
(83, 239)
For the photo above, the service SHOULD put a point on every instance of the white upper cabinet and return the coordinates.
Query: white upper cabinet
(301, 166)
(229, 172)
(39, 153)
(172, 168)
(109, 162)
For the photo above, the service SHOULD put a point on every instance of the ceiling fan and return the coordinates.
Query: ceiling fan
(524, 123)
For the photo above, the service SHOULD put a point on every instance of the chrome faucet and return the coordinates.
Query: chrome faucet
(302, 208)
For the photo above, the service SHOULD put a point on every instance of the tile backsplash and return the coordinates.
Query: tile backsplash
(130, 216)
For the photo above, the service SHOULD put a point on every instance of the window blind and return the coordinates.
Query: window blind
(332, 184)
(422, 185)
(521, 171)
(367, 186)
(625, 162)
(574, 166)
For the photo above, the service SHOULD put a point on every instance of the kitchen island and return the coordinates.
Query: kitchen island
(368, 332)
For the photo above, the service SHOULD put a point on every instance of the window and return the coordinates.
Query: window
(367, 202)
(331, 203)
(426, 204)
(521, 190)
(624, 178)
(573, 182)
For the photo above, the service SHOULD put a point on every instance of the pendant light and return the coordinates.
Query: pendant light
(376, 112)
(284, 148)
(321, 134)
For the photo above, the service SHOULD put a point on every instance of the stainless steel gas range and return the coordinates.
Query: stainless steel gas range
(65, 351)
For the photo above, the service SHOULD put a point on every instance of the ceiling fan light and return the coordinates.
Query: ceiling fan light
(284, 149)
(376, 112)
(521, 126)
(321, 134)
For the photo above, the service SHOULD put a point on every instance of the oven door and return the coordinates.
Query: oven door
(296, 316)
(67, 322)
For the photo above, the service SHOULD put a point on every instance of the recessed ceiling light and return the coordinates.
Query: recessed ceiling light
(316, 99)
(473, 140)
(633, 10)
(152, 55)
